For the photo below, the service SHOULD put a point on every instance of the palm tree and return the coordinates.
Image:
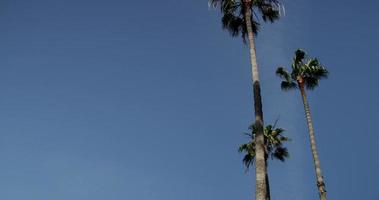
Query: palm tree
(240, 19)
(274, 147)
(306, 74)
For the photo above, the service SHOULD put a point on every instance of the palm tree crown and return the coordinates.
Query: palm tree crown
(305, 72)
(274, 145)
(233, 18)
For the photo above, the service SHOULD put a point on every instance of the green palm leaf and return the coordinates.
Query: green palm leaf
(233, 14)
(305, 72)
(274, 139)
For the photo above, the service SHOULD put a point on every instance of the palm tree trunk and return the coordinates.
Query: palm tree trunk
(261, 190)
(267, 184)
(320, 178)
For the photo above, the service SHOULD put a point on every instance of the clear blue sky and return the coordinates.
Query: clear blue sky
(148, 100)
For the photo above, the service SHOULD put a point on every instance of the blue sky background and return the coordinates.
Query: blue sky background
(149, 100)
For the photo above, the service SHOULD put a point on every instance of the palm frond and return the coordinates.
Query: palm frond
(281, 153)
(286, 85)
(253, 129)
(287, 82)
(278, 131)
(249, 150)
(248, 160)
(234, 24)
(270, 10)
(299, 56)
(214, 3)
(313, 62)
(283, 138)
(311, 83)
(315, 69)
(233, 11)
(244, 147)
(273, 145)
(222, 4)
(320, 73)
(282, 73)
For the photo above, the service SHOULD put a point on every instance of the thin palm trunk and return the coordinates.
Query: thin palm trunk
(267, 184)
(261, 190)
(320, 178)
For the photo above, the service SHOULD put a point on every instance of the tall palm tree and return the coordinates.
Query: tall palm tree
(240, 19)
(274, 147)
(306, 74)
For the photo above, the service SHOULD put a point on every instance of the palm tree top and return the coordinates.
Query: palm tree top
(306, 72)
(233, 11)
(274, 144)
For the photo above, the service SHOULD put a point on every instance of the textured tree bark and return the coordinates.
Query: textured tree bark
(320, 178)
(261, 190)
(267, 184)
